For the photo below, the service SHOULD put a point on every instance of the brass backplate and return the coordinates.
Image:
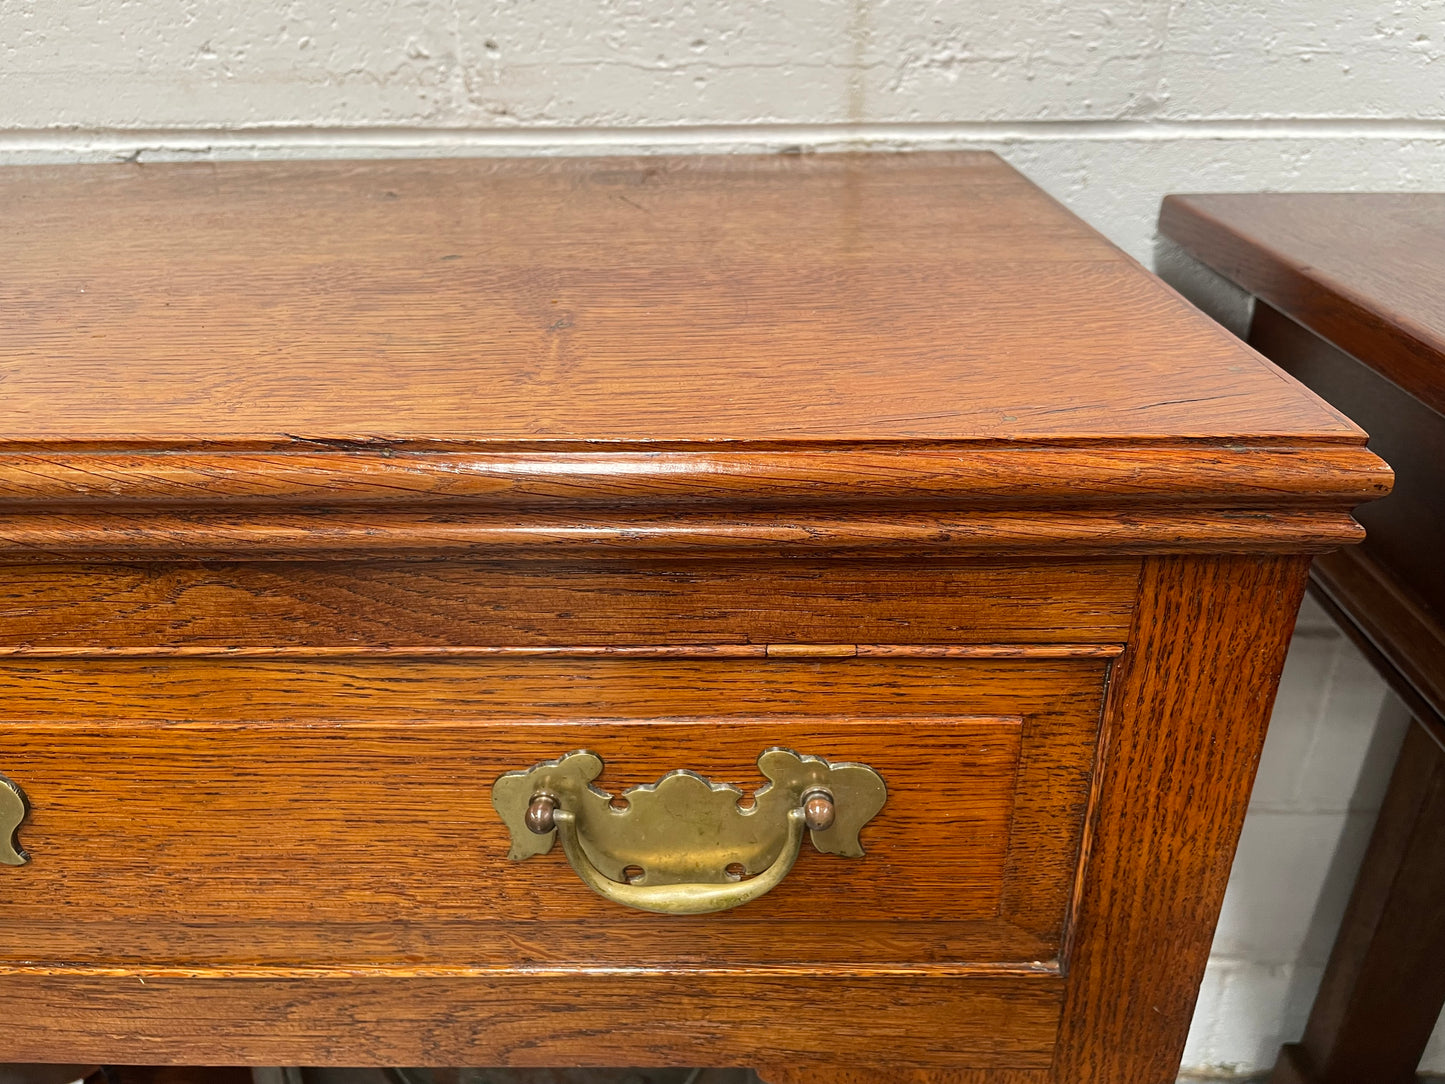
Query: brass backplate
(684, 829)
(13, 808)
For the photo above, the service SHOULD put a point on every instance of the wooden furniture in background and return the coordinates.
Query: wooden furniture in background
(1350, 299)
(332, 491)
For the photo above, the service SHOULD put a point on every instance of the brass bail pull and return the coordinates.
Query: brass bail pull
(684, 845)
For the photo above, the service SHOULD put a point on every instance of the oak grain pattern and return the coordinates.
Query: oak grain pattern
(797, 403)
(730, 534)
(522, 1019)
(460, 603)
(1361, 269)
(841, 298)
(361, 825)
(1184, 723)
(169, 794)
(791, 475)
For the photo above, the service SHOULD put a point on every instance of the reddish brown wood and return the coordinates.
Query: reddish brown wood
(332, 536)
(1384, 985)
(973, 857)
(1349, 301)
(1187, 711)
(831, 298)
(372, 603)
(1360, 269)
(333, 371)
(474, 462)
(1403, 429)
(178, 818)
(531, 1019)
(650, 651)
(1402, 638)
(1260, 473)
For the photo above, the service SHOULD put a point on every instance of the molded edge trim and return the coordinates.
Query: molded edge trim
(1246, 474)
(328, 536)
(807, 652)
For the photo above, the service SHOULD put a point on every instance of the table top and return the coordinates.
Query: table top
(598, 302)
(1363, 270)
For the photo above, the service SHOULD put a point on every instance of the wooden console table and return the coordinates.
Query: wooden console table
(1350, 299)
(412, 572)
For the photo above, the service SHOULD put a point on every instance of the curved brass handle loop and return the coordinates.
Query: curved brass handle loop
(683, 899)
(683, 845)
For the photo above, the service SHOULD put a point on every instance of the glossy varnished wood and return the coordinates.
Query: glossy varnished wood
(1188, 711)
(839, 354)
(1403, 429)
(361, 765)
(835, 298)
(330, 490)
(374, 604)
(1363, 270)
(1348, 300)
(183, 844)
(1146, 900)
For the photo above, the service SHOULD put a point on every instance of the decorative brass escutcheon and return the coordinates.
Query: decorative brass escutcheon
(689, 846)
(13, 808)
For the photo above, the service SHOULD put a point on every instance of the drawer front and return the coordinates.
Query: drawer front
(337, 813)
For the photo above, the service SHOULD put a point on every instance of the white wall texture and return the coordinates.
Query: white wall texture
(1107, 105)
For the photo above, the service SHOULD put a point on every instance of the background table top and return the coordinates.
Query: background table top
(1364, 270)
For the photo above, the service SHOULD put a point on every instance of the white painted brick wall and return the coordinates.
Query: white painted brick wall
(1107, 105)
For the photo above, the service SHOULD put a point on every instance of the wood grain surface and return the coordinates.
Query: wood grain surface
(858, 356)
(837, 298)
(1185, 722)
(1348, 301)
(338, 814)
(373, 603)
(787, 475)
(328, 491)
(1363, 269)
(330, 536)
(642, 1018)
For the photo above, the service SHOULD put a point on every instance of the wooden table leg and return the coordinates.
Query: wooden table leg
(1385, 982)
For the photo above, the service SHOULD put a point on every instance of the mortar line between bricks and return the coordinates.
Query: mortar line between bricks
(283, 137)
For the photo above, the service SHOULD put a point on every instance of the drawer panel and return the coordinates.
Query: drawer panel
(338, 813)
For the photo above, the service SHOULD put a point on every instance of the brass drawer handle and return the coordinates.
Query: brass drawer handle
(13, 808)
(682, 845)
